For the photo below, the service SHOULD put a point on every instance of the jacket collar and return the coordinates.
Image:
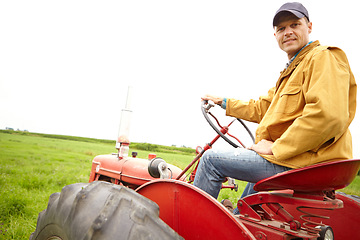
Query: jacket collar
(292, 59)
(300, 56)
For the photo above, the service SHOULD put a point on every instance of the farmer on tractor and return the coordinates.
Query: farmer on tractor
(303, 120)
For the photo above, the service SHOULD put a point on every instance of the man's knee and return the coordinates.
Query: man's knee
(208, 156)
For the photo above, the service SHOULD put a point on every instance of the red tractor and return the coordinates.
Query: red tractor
(132, 198)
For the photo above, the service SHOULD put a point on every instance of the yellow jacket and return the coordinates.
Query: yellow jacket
(308, 113)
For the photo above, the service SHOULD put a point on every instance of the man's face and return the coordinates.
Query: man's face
(292, 33)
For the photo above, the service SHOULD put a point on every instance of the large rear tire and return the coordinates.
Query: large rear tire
(100, 210)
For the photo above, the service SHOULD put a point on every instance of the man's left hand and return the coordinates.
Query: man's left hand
(263, 147)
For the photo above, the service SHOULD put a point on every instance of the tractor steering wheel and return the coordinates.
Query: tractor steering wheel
(205, 107)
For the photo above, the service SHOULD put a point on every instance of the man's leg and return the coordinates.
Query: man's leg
(242, 164)
(249, 189)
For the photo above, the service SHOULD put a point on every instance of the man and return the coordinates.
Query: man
(302, 121)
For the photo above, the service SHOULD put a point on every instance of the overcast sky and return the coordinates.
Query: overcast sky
(65, 65)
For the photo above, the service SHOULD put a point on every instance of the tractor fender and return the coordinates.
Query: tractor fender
(193, 213)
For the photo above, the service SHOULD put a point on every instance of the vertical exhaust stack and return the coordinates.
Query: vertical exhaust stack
(123, 142)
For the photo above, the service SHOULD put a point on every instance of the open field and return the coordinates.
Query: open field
(33, 166)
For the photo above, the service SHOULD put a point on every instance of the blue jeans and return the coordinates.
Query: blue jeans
(242, 164)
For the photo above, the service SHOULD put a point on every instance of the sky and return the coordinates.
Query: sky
(65, 66)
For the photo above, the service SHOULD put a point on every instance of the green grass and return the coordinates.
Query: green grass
(31, 169)
(33, 166)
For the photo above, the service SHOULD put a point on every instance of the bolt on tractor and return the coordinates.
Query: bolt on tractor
(133, 198)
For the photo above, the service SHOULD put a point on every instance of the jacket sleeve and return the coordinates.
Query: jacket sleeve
(252, 111)
(325, 116)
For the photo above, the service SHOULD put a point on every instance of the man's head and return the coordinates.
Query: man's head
(292, 27)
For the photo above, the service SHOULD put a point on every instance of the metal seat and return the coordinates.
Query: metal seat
(325, 176)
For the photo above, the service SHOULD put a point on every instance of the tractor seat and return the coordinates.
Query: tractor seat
(326, 176)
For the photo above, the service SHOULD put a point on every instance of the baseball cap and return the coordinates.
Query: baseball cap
(295, 8)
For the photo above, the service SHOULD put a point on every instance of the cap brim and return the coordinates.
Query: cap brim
(294, 12)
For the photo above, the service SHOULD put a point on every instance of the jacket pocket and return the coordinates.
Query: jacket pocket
(289, 100)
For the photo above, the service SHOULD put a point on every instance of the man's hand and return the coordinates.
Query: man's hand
(262, 147)
(215, 99)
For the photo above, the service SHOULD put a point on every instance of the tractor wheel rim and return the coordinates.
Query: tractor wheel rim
(329, 235)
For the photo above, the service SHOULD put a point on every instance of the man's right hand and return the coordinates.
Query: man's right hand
(217, 100)
(262, 147)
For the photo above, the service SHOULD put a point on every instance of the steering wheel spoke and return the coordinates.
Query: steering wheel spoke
(205, 107)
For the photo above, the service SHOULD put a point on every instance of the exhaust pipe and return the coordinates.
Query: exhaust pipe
(123, 142)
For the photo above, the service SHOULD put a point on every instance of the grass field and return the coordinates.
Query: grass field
(33, 166)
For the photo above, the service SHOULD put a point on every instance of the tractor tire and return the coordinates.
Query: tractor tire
(100, 210)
